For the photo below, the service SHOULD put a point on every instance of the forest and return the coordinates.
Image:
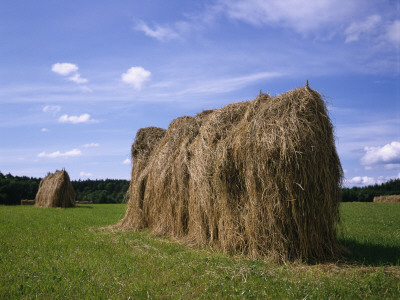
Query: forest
(367, 193)
(13, 189)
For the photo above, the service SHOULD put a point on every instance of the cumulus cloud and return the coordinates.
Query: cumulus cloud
(388, 154)
(126, 161)
(300, 15)
(366, 180)
(52, 108)
(58, 154)
(91, 145)
(84, 118)
(159, 33)
(77, 79)
(64, 68)
(44, 130)
(85, 174)
(361, 180)
(356, 29)
(136, 76)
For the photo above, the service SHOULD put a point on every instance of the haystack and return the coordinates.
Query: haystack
(55, 190)
(260, 177)
(387, 199)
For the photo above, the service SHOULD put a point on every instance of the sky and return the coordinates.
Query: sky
(79, 78)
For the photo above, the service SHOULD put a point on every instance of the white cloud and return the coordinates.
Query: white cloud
(85, 174)
(44, 130)
(64, 68)
(356, 29)
(57, 154)
(91, 145)
(159, 33)
(75, 119)
(136, 76)
(388, 154)
(77, 78)
(393, 32)
(301, 15)
(364, 180)
(127, 161)
(52, 108)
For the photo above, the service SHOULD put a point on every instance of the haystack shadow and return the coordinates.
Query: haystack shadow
(83, 206)
(370, 254)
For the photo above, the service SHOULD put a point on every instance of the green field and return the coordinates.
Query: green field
(65, 253)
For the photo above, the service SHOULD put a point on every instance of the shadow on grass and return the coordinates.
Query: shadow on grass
(371, 254)
(83, 206)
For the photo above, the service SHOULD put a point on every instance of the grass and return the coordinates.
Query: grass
(50, 253)
(372, 232)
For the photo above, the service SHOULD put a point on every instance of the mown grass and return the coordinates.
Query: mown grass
(372, 232)
(65, 253)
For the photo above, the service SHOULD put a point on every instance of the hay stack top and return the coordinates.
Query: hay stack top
(55, 190)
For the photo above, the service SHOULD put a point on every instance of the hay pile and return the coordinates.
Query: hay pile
(27, 202)
(55, 190)
(388, 198)
(260, 177)
(83, 202)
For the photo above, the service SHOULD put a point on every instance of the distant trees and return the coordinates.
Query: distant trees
(101, 191)
(367, 194)
(15, 188)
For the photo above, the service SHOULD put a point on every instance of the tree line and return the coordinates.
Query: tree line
(15, 188)
(367, 193)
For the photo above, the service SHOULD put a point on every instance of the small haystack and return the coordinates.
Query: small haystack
(387, 199)
(55, 190)
(260, 177)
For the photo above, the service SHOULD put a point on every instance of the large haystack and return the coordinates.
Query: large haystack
(387, 199)
(260, 177)
(55, 190)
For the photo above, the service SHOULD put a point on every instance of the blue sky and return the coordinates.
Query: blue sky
(79, 78)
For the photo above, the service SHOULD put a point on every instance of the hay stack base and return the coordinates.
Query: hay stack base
(55, 190)
(260, 177)
(387, 199)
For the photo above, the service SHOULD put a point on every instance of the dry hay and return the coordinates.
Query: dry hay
(388, 198)
(27, 202)
(55, 190)
(260, 177)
